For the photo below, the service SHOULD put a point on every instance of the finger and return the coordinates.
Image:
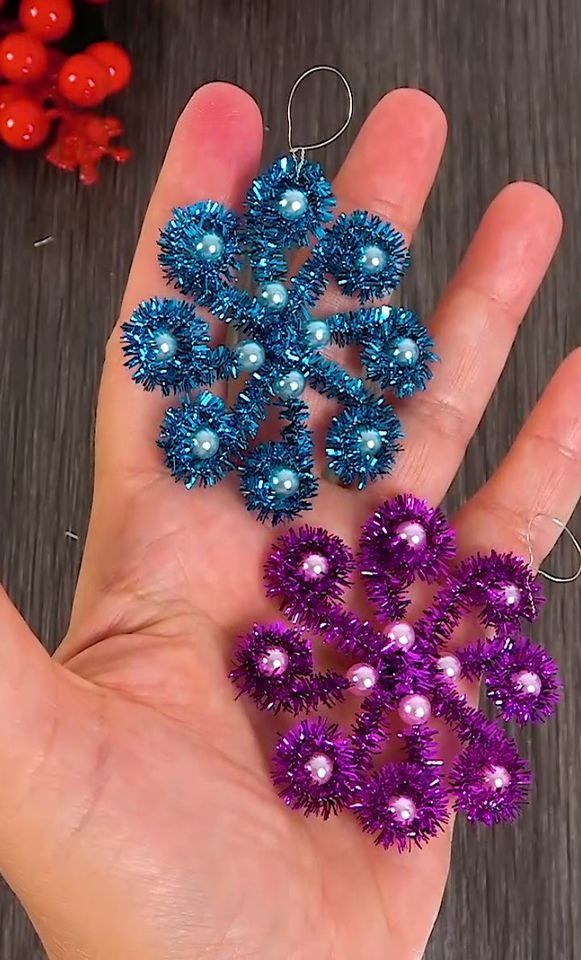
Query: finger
(389, 171)
(214, 152)
(474, 327)
(541, 475)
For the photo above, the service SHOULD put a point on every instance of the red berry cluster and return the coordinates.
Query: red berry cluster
(47, 92)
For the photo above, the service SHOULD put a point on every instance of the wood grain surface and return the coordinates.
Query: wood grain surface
(508, 74)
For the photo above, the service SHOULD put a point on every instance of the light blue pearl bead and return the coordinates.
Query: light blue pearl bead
(210, 247)
(369, 442)
(165, 346)
(284, 482)
(292, 204)
(373, 259)
(249, 355)
(274, 295)
(205, 443)
(406, 352)
(290, 385)
(318, 333)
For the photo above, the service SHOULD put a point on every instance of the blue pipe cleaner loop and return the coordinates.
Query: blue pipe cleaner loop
(285, 206)
(200, 440)
(362, 443)
(366, 256)
(166, 345)
(398, 353)
(200, 247)
(283, 343)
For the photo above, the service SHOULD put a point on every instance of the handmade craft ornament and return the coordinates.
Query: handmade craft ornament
(282, 346)
(406, 675)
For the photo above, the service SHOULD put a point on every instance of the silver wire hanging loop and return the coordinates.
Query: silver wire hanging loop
(562, 526)
(302, 148)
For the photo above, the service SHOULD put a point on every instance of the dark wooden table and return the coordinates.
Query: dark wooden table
(508, 73)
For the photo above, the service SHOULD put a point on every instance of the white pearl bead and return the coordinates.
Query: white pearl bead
(290, 385)
(403, 809)
(318, 333)
(450, 666)
(320, 767)
(166, 346)
(249, 355)
(205, 443)
(362, 677)
(401, 634)
(292, 204)
(413, 532)
(528, 682)
(210, 247)
(406, 352)
(274, 662)
(373, 258)
(369, 442)
(315, 566)
(414, 709)
(284, 482)
(496, 778)
(274, 295)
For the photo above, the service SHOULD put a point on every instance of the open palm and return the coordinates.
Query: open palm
(137, 817)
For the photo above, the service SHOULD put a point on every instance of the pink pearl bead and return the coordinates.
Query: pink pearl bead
(320, 767)
(496, 778)
(511, 594)
(413, 533)
(273, 662)
(402, 634)
(315, 566)
(528, 682)
(450, 666)
(403, 809)
(362, 677)
(414, 709)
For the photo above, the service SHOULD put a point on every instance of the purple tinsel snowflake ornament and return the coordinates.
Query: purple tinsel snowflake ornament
(282, 340)
(406, 675)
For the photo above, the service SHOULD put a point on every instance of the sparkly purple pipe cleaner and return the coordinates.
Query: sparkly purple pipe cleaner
(401, 671)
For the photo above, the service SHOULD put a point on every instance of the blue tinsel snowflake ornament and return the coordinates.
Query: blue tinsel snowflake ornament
(282, 345)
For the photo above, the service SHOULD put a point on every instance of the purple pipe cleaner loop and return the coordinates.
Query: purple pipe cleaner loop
(404, 675)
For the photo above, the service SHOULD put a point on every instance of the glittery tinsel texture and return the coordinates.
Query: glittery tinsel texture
(314, 768)
(490, 780)
(376, 808)
(166, 347)
(282, 346)
(387, 768)
(274, 667)
(179, 432)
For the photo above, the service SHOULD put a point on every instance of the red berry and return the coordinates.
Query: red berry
(23, 124)
(22, 58)
(115, 60)
(47, 19)
(83, 80)
(10, 92)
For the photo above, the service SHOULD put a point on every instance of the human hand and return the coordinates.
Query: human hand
(137, 817)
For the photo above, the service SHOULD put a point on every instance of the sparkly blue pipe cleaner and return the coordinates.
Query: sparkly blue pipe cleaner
(282, 345)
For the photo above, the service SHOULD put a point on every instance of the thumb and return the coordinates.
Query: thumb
(27, 699)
